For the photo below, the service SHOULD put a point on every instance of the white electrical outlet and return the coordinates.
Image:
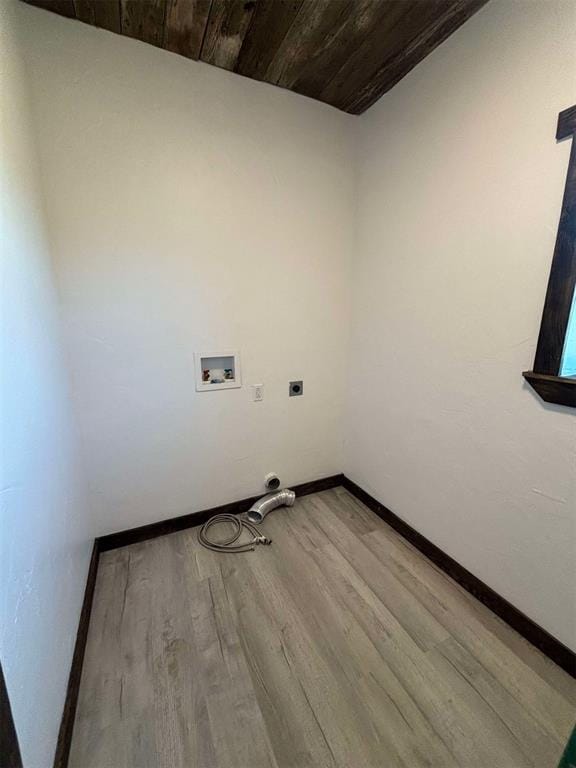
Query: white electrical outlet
(257, 393)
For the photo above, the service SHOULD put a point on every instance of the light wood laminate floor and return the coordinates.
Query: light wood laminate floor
(339, 645)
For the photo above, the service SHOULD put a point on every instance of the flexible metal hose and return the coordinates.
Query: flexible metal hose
(261, 508)
(229, 544)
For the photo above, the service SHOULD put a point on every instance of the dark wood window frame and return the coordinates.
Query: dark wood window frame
(545, 377)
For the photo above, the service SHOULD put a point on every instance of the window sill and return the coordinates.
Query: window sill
(553, 389)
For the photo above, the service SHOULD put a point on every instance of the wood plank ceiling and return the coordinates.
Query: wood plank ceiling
(346, 53)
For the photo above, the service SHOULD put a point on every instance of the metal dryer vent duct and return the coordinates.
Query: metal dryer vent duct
(260, 509)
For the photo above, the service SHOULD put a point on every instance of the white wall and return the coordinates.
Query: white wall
(45, 528)
(460, 182)
(193, 210)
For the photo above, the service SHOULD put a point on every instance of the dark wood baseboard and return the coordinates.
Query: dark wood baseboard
(531, 631)
(73, 687)
(173, 524)
(9, 747)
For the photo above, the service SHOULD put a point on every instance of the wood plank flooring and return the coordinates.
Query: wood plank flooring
(339, 645)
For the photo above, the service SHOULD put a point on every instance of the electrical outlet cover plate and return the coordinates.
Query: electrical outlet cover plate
(296, 388)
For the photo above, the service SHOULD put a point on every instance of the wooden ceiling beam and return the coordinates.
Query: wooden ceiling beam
(398, 25)
(270, 24)
(185, 25)
(312, 30)
(99, 13)
(144, 20)
(428, 37)
(61, 7)
(227, 25)
(365, 20)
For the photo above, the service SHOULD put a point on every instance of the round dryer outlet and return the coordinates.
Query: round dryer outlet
(296, 388)
(272, 481)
